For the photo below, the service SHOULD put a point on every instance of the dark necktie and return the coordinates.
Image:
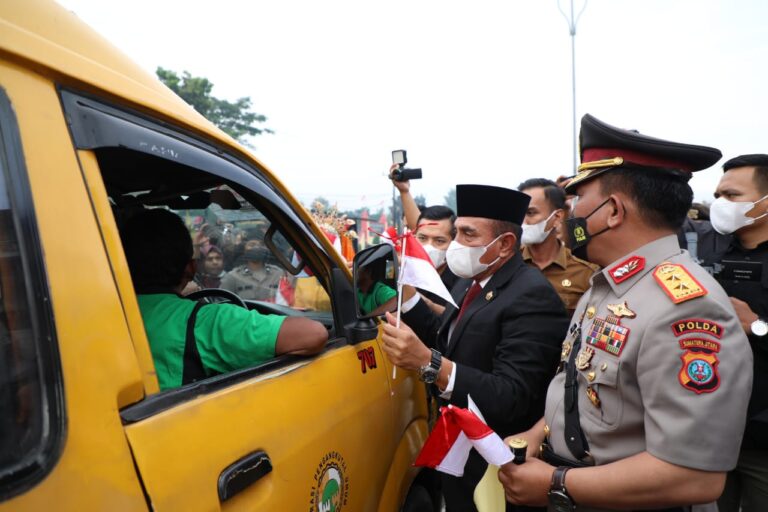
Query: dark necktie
(473, 292)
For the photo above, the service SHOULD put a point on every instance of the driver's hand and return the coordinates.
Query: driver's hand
(191, 288)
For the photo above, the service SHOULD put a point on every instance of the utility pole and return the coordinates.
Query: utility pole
(572, 22)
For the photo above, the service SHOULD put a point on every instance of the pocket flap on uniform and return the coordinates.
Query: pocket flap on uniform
(603, 371)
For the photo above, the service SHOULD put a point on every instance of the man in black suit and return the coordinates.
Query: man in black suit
(501, 347)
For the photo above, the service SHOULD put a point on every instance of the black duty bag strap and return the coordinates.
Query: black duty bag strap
(574, 436)
(193, 363)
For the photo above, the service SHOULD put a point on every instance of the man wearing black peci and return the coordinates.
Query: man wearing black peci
(502, 345)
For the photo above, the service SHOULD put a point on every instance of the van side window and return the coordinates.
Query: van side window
(30, 392)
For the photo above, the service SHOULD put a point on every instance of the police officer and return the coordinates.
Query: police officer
(648, 408)
(256, 279)
(741, 208)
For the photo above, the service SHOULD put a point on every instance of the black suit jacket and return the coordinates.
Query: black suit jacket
(506, 347)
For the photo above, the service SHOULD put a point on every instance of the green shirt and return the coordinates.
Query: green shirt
(228, 336)
(376, 296)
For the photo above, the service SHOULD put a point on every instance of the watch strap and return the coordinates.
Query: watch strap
(437, 360)
(558, 479)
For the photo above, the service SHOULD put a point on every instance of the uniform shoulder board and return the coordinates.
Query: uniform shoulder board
(677, 282)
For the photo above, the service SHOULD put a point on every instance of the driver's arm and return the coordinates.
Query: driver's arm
(300, 336)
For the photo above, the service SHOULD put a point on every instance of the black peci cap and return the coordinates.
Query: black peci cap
(604, 147)
(491, 202)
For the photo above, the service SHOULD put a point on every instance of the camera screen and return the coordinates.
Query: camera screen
(398, 156)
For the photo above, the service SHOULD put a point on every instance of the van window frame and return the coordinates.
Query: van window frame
(48, 452)
(96, 125)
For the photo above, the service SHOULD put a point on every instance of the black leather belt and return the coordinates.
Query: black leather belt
(550, 457)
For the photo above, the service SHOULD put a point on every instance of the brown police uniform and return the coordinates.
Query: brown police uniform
(567, 274)
(260, 284)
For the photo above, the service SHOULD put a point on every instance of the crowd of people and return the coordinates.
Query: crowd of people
(602, 318)
(609, 322)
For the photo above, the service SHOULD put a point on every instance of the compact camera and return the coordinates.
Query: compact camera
(400, 158)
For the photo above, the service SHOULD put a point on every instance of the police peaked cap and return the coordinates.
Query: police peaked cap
(491, 202)
(604, 148)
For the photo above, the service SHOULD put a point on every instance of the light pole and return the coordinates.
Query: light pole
(572, 22)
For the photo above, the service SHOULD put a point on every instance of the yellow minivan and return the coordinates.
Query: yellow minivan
(86, 139)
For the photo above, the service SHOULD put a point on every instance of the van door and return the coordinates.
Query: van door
(289, 434)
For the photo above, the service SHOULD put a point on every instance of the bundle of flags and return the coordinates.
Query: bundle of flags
(447, 449)
(456, 432)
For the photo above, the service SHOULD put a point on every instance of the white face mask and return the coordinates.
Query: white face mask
(436, 255)
(535, 233)
(729, 216)
(464, 261)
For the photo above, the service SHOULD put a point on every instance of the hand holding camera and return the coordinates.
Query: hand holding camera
(398, 172)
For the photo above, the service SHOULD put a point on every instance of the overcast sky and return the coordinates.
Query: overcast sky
(477, 92)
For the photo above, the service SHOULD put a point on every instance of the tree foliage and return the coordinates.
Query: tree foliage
(450, 199)
(235, 118)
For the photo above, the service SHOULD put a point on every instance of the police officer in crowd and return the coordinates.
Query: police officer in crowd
(648, 408)
(255, 279)
(567, 274)
(501, 346)
(741, 208)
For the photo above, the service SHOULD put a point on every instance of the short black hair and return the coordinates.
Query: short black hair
(158, 247)
(554, 194)
(663, 198)
(439, 212)
(504, 226)
(759, 162)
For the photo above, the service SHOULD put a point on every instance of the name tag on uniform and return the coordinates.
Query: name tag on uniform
(740, 270)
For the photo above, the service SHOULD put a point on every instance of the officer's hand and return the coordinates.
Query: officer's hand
(528, 483)
(402, 186)
(534, 440)
(403, 347)
(745, 314)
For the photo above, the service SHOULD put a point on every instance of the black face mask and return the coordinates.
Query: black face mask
(578, 236)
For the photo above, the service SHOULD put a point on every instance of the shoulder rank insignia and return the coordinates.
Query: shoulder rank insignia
(699, 369)
(608, 334)
(677, 283)
(620, 310)
(690, 325)
(627, 269)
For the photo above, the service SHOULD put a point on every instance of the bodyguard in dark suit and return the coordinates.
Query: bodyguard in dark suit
(501, 347)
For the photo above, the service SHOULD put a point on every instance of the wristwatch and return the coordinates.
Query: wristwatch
(759, 327)
(428, 372)
(559, 501)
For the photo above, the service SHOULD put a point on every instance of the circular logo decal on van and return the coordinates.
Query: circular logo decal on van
(331, 486)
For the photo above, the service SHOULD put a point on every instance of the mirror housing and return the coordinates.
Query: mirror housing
(374, 273)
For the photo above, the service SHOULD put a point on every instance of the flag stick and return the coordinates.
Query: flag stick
(400, 290)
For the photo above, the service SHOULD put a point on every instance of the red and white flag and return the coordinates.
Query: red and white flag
(417, 270)
(456, 432)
